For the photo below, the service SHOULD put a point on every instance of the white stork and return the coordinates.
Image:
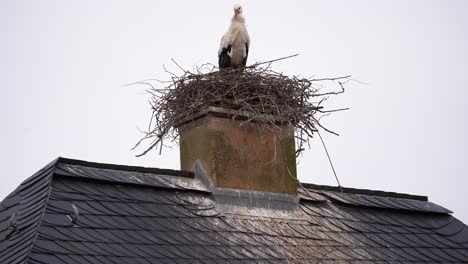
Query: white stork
(234, 47)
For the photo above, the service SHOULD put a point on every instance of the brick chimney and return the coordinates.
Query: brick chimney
(237, 154)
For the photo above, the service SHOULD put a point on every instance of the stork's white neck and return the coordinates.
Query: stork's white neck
(238, 19)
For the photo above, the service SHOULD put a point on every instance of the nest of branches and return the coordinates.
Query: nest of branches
(265, 94)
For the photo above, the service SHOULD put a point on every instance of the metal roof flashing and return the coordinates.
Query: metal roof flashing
(251, 203)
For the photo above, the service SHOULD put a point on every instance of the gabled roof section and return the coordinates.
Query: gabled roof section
(21, 212)
(82, 212)
(21, 215)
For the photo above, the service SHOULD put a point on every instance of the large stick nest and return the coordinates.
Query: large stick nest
(266, 95)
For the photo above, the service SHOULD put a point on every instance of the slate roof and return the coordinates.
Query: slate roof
(81, 212)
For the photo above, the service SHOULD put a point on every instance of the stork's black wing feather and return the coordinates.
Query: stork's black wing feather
(224, 61)
(244, 62)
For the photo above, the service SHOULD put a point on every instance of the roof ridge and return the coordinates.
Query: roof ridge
(189, 174)
(171, 172)
(154, 177)
(365, 192)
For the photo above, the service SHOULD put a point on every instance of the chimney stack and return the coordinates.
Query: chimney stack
(237, 154)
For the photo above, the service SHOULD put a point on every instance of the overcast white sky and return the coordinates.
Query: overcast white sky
(63, 65)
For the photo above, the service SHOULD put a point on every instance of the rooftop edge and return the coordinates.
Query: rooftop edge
(181, 173)
(189, 174)
(365, 192)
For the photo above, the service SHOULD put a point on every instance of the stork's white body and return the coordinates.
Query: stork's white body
(234, 47)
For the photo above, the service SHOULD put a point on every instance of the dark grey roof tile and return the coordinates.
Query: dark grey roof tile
(54, 219)
(69, 259)
(400, 203)
(49, 247)
(154, 251)
(310, 195)
(22, 219)
(21, 237)
(103, 260)
(401, 218)
(402, 239)
(460, 237)
(104, 208)
(80, 233)
(342, 212)
(178, 251)
(454, 227)
(16, 255)
(307, 231)
(65, 207)
(443, 256)
(168, 224)
(433, 221)
(90, 259)
(24, 223)
(263, 261)
(462, 252)
(116, 259)
(142, 223)
(44, 258)
(428, 240)
(415, 254)
(52, 233)
(401, 255)
(132, 175)
(430, 254)
(387, 254)
(377, 240)
(443, 240)
(12, 200)
(126, 218)
(43, 175)
(358, 226)
(355, 240)
(361, 239)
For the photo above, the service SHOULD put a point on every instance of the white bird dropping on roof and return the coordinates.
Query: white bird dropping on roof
(234, 47)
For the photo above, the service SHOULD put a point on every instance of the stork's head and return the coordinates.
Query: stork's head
(237, 10)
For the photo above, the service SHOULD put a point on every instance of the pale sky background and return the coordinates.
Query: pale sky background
(63, 66)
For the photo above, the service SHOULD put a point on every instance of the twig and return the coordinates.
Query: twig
(265, 94)
(271, 61)
(330, 161)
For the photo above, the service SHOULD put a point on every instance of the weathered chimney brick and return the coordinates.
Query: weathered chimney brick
(239, 155)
